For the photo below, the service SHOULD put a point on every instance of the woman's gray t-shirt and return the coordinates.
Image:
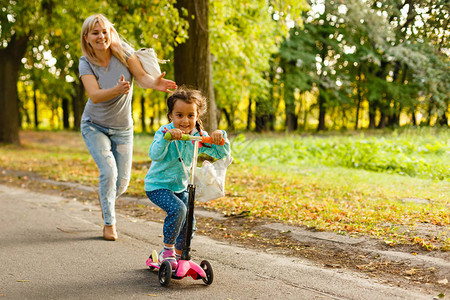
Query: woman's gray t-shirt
(116, 112)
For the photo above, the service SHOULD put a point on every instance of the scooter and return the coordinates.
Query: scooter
(185, 267)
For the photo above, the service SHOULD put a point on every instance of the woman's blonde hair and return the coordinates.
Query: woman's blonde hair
(117, 49)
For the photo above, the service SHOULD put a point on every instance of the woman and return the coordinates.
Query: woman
(107, 70)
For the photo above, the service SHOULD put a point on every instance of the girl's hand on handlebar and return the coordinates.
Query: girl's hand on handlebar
(216, 137)
(176, 133)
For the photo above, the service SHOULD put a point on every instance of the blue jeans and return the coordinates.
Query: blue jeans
(175, 205)
(112, 151)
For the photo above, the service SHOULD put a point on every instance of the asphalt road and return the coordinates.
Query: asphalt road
(51, 248)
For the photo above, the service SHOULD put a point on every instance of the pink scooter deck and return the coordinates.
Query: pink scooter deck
(184, 268)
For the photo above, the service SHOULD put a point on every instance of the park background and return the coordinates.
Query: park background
(338, 111)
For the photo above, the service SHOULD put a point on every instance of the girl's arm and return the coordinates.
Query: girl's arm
(97, 95)
(146, 80)
(159, 147)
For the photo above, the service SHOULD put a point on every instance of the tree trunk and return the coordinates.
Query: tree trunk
(443, 120)
(192, 59)
(358, 107)
(322, 112)
(372, 115)
(358, 90)
(289, 105)
(21, 109)
(383, 120)
(142, 102)
(10, 60)
(376, 103)
(228, 118)
(24, 112)
(413, 116)
(77, 104)
(249, 114)
(321, 99)
(261, 115)
(291, 121)
(65, 109)
(305, 112)
(430, 111)
(35, 104)
(261, 123)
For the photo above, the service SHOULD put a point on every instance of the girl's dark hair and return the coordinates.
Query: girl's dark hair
(188, 95)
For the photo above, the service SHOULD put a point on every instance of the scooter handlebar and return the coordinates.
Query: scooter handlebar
(187, 137)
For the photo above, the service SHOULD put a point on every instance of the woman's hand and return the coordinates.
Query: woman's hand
(164, 85)
(123, 87)
(216, 137)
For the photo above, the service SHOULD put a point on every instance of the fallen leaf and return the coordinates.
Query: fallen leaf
(390, 243)
(22, 280)
(410, 272)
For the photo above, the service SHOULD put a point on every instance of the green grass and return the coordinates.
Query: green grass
(383, 185)
(422, 154)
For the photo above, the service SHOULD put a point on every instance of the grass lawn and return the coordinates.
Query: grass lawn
(389, 185)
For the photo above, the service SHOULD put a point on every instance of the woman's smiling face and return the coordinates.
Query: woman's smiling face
(99, 37)
(184, 116)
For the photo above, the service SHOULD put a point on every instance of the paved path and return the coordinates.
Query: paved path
(50, 248)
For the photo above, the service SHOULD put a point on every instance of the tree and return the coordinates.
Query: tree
(244, 36)
(380, 52)
(10, 56)
(27, 26)
(308, 59)
(193, 57)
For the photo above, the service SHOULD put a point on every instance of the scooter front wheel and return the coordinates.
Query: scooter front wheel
(206, 266)
(165, 273)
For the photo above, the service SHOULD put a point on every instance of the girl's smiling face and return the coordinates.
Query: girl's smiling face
(184, 116)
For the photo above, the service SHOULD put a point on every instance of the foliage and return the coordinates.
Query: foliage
(386, 60)
(243, 36)
(378, 52)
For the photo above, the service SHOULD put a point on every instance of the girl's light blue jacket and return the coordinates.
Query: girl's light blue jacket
(166, 170)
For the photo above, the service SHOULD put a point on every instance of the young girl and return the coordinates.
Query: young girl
(166, 181)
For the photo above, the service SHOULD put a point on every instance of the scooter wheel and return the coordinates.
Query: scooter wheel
(206, 266)
(165, 273)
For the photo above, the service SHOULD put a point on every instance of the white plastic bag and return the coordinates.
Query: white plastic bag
(149, 62)
(210, 179)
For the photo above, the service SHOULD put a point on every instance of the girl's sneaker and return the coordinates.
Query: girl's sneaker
(168, 255)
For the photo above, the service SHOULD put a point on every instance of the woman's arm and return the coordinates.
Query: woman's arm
(146, 80)
(97, 95)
